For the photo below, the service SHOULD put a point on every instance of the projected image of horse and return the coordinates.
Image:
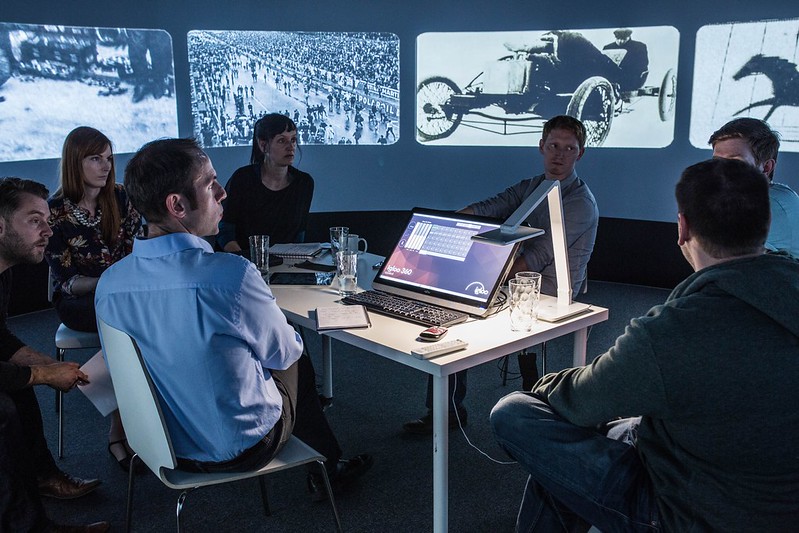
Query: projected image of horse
(784, 78)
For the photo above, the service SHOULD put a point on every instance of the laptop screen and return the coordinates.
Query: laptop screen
(436, 261)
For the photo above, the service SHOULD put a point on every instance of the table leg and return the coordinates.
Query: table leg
(440, 453)
(327, 366)
(580, 342)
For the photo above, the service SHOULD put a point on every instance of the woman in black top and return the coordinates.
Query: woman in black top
(269, 196)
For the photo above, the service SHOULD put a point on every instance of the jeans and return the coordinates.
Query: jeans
(578, 476)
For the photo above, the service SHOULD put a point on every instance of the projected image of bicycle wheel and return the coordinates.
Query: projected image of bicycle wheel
(498, 88)
(747, 70)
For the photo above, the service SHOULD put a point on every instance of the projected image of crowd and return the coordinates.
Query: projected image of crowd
(339, 88)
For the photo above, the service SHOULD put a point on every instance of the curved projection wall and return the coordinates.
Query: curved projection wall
(339, 88)
(747, 70)
(498, 88)
(54, 78)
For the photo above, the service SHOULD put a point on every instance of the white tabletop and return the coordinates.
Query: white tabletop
(394, 339)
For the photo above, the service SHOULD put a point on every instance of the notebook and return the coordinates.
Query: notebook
(436, 261)
(306, 250)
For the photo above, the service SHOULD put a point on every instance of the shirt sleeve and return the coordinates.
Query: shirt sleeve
(9, 343)
(264, 326)
(13, 377)
(59, 258)
(503, 204)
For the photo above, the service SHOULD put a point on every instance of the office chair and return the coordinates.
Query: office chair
(149, 437)
(67, 339)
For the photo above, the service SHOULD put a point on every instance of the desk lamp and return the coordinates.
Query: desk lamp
(550, 309)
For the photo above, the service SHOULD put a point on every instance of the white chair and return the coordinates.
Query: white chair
(67, 339)
(149, 438)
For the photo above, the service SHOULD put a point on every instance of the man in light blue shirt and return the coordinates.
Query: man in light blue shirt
(228, 368)
(753, 141)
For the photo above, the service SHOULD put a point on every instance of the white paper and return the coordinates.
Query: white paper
(100, 390)
(342, 317)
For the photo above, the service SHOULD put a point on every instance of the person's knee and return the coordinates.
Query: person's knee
(516, 413)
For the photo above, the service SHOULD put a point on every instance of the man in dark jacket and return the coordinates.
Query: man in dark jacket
(710, 374)
(27, 469)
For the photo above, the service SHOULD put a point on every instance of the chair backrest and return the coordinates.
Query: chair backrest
(138, 403)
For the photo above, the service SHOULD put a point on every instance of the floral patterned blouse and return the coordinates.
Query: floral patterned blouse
(77, 247)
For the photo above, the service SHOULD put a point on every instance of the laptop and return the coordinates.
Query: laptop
(436, 261)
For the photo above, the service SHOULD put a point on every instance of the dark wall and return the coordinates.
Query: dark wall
(626, 251)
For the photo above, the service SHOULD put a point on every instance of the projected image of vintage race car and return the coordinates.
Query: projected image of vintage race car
(564, 73)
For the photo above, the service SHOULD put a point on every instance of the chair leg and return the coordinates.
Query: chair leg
(179, 507)
(59, 408)
(330, 494)
(129, 505)
(264, 495)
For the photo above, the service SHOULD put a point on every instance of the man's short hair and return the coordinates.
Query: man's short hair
(726, 205)
(11, 191)
(161, 168)
(565, 122)
(764, 142)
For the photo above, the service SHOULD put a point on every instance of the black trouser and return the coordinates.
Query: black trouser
(76, 313)
(302, 415)
(23, 457)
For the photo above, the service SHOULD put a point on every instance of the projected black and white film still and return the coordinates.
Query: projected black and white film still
(498, 88)
(339, 88)
(747, 69)
(54, 78)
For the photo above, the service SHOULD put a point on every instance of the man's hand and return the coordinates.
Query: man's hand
(61, 376)
(232, 247)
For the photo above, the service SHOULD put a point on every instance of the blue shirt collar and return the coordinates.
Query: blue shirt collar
(169, 244)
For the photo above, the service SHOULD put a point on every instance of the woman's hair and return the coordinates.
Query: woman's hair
(82, 142)
(265, 129)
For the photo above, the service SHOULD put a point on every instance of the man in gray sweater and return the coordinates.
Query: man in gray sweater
(710, 375)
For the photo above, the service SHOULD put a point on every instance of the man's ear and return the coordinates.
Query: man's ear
(683, 230)
(175, 205)
(768, 168)
(580, 155)
(541, 146)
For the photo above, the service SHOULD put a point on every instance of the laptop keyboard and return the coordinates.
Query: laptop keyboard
(406, 309)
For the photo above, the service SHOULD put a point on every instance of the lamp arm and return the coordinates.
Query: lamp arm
(528, 206)
(559, 246)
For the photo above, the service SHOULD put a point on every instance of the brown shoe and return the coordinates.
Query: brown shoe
(97, 527)
(65, 487)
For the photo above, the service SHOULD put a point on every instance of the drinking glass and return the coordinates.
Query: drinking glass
(338, 239)
(347, 272)
(259, 253)
(524, 294)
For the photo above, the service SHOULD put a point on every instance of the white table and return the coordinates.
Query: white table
(488, 339)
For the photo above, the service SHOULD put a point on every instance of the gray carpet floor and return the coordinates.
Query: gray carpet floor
(373, 397)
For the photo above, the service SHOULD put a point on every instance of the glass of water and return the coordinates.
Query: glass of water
(259, 253)
(347, 272)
